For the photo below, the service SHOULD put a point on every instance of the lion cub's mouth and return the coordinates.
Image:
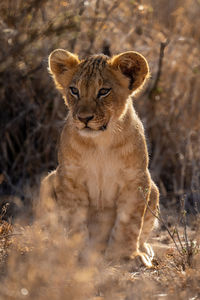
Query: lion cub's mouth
(90, 131)
(102, 128)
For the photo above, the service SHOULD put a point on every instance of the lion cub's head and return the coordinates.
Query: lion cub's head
(96, 89)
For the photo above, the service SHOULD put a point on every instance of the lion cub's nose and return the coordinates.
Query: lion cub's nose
(85, 118)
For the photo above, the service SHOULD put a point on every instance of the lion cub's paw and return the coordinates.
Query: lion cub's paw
(138, 258)
(148, 249)
(144, 258)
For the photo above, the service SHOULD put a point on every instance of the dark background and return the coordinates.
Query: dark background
(32, 112)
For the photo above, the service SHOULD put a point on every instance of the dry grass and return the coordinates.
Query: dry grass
(40, 263)
(32, 112)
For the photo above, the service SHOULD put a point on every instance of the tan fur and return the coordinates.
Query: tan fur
(102, 183)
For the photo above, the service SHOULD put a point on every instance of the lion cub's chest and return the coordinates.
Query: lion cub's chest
(102, 179)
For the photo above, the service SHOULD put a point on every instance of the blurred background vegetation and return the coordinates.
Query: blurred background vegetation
(32, 112)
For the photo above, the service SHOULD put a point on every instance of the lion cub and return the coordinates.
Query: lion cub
(102, 183)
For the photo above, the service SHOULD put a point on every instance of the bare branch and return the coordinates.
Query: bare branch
(163, 45)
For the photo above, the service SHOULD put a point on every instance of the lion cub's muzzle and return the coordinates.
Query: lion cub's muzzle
(88, 121)
(85, 119)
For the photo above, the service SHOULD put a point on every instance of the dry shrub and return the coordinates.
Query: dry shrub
(44, 265)
(5, 231)
(44, 262)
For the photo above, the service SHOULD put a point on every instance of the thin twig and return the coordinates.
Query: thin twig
(163, 45)
(184, 224)
(160, 218)
(179, 239)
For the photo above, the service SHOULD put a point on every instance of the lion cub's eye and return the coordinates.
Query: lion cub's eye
(74, 91)
(103, 92)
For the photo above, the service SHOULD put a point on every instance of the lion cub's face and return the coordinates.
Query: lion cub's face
(96, 89)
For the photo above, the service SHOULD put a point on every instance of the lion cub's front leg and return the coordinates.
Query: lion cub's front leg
(125, 235)
(60, 202)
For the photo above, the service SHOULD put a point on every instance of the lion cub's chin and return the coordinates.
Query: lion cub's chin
(87, 132)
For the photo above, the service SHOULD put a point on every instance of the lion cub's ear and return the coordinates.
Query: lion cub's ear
(132, 65)
(62, 65)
